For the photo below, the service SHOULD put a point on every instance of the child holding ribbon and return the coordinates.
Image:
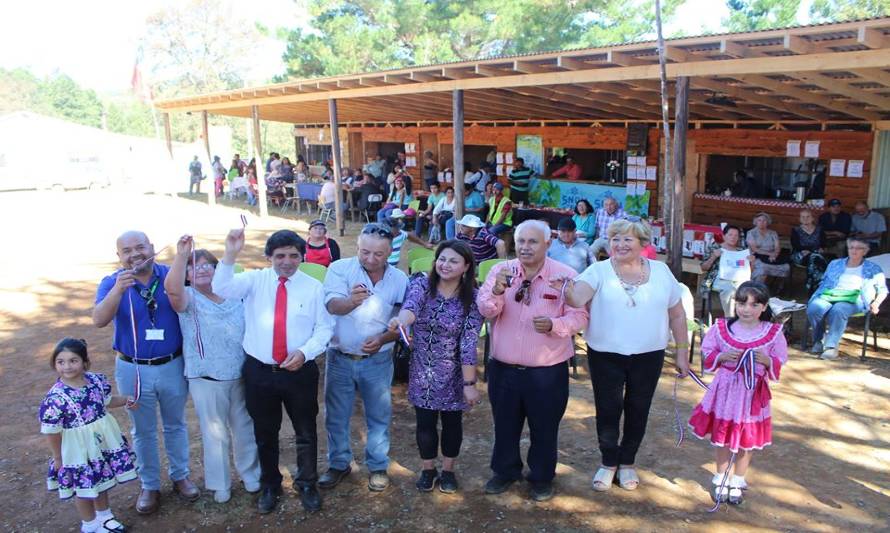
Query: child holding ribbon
(745, 352)
(89, 453)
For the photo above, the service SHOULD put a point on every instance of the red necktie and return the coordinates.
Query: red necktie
(279, 330)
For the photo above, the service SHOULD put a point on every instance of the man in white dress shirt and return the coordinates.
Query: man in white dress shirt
(363, 293)
(286, 328)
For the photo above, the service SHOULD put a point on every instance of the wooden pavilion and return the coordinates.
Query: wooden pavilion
(753, 94)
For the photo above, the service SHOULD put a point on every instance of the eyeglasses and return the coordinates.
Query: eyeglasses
(205, 266)
(523, 294)
(377, 229)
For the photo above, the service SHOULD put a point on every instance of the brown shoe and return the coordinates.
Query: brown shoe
(148, 501)
(186, 490)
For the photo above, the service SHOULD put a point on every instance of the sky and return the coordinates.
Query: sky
(96, 41)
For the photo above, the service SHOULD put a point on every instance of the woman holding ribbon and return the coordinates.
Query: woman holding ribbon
(442, 378)
(635, 304)
(745, 352)
(212, 331)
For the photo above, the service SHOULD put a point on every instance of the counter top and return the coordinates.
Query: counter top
(766, 202)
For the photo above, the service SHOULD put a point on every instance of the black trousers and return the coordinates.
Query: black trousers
(266, 392)
(428, 433)
(623, 383)
(538, 394)
(518, 196)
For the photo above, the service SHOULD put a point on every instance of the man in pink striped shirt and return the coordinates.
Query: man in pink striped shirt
(528, 371)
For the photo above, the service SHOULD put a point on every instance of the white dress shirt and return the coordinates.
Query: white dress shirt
(309, 326)
(372, 316)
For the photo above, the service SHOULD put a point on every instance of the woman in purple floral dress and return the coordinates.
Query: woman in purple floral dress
(442, 377)
(90, 455)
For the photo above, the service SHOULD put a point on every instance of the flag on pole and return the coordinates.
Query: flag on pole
(140, 88)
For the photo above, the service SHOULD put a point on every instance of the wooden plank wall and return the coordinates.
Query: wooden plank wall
(771, 143)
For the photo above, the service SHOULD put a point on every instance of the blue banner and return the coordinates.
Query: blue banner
(565, 194)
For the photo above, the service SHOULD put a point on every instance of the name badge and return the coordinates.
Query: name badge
(154, 334)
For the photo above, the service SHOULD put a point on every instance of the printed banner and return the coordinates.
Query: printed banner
(565, 194)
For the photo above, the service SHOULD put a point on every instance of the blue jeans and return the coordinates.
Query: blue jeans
(835, 315)
(450, 228)
(497, 229)
(372, 377)
(163, 386)
(383, 214)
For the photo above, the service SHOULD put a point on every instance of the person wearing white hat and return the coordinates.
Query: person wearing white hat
(484, 244)
(399, 235)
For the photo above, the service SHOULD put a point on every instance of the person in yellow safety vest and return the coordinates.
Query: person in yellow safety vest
(500, 212)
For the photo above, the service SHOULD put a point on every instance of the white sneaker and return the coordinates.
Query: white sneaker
(829, 353)
(222, 496)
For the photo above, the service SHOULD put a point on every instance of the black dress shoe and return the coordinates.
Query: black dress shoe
(268, 499)
(310, 498)
(498, 484)
(427, 480)
(541, 492)
(332, 477)
(447, 482)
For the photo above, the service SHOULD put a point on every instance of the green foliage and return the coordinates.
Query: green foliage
(364, 35)
(836, 10)
(750, 15)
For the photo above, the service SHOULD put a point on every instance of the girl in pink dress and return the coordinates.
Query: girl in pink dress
(745, 352)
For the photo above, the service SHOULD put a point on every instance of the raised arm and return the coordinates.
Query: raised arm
(225, 283)
(174, 283)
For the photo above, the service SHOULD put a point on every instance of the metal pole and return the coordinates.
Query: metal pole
(457, 166)
(666, 179)
(335, 149)
(258, 155)
(168, 136)
(681, 126)
(211, 196)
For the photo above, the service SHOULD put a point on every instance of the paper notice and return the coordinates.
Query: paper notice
(651, 173)
(500, 158)
(641, 188)
(792, 149)
(508, 158)
(854, 168)
(631, 188)
(837, 167)
(811, 149)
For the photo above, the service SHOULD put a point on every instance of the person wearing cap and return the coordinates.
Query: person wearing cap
(568, 249)
(362, 293)
(868, 225)
(837, 225)
(396, 222)
(500, 212)
(321, 249)
(532, 329)
(471, 230)
(474, 204)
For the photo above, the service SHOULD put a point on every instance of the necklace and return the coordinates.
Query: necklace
(630, 287)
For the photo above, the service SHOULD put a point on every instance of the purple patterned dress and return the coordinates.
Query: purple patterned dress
(95, 455)
(445, 338)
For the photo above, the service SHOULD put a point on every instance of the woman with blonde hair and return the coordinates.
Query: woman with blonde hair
(625, 359)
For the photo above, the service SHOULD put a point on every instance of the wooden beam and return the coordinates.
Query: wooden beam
(457, 165)
(457, 73)
(338, 164)
(757, 66)
(733, 49)
(679, 55)
(372, 81)
(839, 87)
(529, 67)
(798, 44)
(422, 76)
(258, 155)
(772, 102)
(205, 131)
(623, 59)
(570, 63)
(677, 181)
(485, 70)
(872, 38)
(877, 75)
(807, 96)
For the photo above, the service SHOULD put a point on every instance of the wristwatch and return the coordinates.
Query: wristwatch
(470, 383)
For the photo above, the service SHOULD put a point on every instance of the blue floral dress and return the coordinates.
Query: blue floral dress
(95, 454)
(445, 338)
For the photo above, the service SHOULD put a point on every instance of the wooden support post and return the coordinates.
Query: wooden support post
(168, 137)
(258, 155)
(678, 175)
(457, 164)
(205, 129)
(338, 164)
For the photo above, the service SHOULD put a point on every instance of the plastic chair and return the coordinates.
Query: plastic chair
(314, 270)
(374, 203)
(805, 343)
(421, 264)
(417, 253)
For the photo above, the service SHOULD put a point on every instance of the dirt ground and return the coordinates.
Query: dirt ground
(828, 470)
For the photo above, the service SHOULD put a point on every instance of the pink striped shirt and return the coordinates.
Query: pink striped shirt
(515, 340)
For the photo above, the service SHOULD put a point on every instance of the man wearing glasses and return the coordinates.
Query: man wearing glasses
(148, 344)
(528, 371)
(362, 293)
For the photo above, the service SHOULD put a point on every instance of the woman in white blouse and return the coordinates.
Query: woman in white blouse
(444, 209)
(634, 307)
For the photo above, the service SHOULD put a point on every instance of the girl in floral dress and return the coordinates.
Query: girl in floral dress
(745, 352)
(89, 453)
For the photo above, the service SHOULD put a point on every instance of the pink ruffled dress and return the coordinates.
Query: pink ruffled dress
(738, 417)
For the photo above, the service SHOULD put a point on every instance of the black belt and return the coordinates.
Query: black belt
(275, 367)
(154, 361)
(355, 356)
(522, 367)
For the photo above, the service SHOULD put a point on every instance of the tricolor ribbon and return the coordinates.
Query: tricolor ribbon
(680, 426)
(138, 387)
(198, 341)
(723, 483)
(243, 221)
(746, 364)
(404, 335)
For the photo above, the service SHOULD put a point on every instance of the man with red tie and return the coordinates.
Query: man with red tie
(286, 328)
